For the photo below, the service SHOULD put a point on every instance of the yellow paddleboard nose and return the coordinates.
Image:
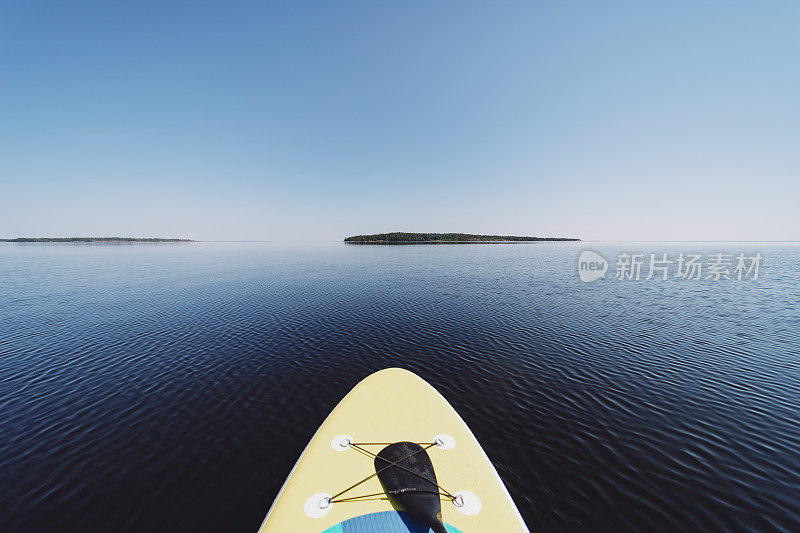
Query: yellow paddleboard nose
(334, 485)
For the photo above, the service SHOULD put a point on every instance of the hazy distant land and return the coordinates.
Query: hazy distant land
(405, 238)
(92, 239)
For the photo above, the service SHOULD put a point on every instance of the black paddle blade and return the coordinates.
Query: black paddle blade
(407, 474)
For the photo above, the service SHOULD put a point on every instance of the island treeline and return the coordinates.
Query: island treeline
(92, 239)
(402, 238)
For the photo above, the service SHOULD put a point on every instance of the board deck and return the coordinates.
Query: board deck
(390, 406)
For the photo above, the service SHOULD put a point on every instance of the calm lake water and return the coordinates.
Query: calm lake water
(147, 387)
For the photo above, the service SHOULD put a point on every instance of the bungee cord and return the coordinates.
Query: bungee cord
(358, 446)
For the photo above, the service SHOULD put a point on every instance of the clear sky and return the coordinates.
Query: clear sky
(317, 120)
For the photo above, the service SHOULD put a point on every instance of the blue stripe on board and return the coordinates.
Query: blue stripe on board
(384, 522)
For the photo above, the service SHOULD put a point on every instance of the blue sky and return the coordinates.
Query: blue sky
(317, 120)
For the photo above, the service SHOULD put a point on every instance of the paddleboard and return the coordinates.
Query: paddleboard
(393, 456)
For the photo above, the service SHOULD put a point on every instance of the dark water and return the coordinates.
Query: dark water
(146, 387)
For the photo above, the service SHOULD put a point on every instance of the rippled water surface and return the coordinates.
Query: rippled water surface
(173, 386)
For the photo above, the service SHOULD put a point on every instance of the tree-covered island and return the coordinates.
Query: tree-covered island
(92, 239)
(407, 238)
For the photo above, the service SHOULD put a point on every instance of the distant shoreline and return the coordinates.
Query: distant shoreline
(93, 239)
(444, 238)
